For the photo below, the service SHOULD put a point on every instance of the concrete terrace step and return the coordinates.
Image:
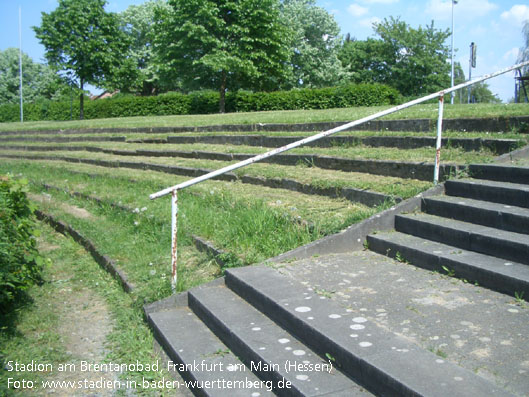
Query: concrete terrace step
(497, 192)
(383, 362)
(494, 273)
(500, 216)
(499, 146)
(266, 348)
(503, 173)
(199, 356)
(502, 244)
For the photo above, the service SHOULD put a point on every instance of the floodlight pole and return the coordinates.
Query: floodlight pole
(20, 62)
(452, 55)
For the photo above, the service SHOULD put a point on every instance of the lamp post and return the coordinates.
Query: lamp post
(452, 55)
(20, 62)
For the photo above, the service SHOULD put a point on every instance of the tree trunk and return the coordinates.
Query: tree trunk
(81, 101)
(222, 102)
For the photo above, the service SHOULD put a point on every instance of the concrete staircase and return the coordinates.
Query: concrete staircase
(280, 329)
(478, 230)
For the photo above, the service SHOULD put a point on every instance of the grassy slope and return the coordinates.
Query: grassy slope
(428, 111)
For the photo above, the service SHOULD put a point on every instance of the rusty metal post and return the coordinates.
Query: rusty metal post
(174, 239)
(439, 139)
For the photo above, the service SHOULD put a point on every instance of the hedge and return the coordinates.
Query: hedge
(204, 102)
(20, 262)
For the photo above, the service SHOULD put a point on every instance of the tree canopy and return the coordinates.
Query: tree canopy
(223, 44)
(38, 80)
(83, 40)
(414, 61)
(139, 74)
(314, 45)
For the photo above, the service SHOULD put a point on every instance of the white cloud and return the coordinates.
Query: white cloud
(518, 13)
(368, 22)
(379, 1)
(512, 54)
(357, 10)
(442, 9)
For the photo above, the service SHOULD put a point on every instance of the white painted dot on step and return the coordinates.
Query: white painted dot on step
(288, 348)
(439, 361)
(365, 344)
(256, 394)
(507, 264)
(303, 309)
(334, 316)
(283, 340)
(458, 378)
(299, 352)
(354, 335)
(513, 310)
(256, 329)
(231, 367)
(302, 377)
(357, 327)
(359, 319)
(310, 318)
(262, 348)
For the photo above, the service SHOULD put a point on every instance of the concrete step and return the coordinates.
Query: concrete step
(381, 361)
(268, 350)
(494, 273)
(499, 216)
(497, 192)
(502, 173)
(499, 243)
(499, 146)
(200, 357)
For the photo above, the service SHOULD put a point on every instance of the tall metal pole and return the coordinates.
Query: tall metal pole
(20, 62)
(452, 55)
(470, 71)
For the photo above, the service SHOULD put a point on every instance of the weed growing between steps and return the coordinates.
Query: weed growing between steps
(48, 330)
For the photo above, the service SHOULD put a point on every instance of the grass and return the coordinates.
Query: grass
(314, 176)
(426, 154)
(295, 116)
(249, 228)
(115, 185)
(34, 330)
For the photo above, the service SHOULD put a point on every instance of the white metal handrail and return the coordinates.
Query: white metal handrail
(440, 95)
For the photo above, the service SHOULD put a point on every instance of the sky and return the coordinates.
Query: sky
(494, 25)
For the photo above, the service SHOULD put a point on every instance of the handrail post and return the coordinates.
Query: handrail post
(439, 139)
(174, 239)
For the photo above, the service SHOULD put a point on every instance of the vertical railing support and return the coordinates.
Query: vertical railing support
(174, 239)
(439, 139)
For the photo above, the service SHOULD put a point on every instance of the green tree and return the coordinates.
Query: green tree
(314, 46)
(364, 60)
(38, 80)
(411, 60)
(416, 57)
(84, 41)
(140, 71)
(223, 44)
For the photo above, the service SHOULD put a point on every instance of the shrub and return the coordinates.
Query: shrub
(20, 262)
(207, 102)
